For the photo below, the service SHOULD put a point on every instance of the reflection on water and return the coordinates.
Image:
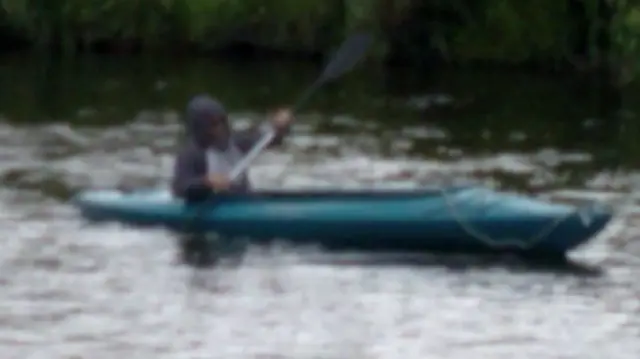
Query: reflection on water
(73, 290)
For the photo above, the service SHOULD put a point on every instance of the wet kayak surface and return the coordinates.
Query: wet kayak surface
(74, 290)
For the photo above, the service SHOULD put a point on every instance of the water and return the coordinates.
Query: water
(73, 290)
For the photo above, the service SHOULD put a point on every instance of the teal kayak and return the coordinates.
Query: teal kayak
(458, 219)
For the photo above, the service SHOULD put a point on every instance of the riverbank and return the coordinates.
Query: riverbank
(593, 36)
(544, 33)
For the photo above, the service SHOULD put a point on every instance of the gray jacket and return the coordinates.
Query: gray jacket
(194, 159)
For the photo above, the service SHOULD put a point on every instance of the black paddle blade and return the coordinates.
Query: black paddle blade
(343, 60)
(346, 56)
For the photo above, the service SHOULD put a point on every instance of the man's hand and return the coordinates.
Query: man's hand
(219, 182)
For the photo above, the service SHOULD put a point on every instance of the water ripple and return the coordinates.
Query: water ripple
(70, 290)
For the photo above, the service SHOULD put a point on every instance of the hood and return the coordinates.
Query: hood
(198, 113)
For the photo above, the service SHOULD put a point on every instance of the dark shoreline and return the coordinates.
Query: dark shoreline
(554, 37)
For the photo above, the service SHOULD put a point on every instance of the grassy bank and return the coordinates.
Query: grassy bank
(550, 33)
(131, 25)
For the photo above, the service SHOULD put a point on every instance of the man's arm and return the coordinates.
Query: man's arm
(281, 123)
(246, 139)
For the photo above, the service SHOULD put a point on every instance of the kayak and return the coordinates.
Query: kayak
(456, 219)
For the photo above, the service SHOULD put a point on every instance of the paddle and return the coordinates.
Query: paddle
(349, 53)
(344, 59)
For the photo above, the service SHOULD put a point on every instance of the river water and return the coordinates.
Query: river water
(74, 290)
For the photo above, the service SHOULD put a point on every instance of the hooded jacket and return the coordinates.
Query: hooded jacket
(198, 158)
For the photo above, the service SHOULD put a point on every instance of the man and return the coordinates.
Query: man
(213, 149)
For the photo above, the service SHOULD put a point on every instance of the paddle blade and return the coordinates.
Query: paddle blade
(344, 59)
(347, 56)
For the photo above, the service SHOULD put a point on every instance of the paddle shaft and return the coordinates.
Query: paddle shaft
(342, 61)
(269, 135)
(257, 149)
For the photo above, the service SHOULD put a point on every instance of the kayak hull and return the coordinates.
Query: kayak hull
(461, 219)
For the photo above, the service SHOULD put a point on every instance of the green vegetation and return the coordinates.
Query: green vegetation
(624, 59)
(287, 25)
(551, 33)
